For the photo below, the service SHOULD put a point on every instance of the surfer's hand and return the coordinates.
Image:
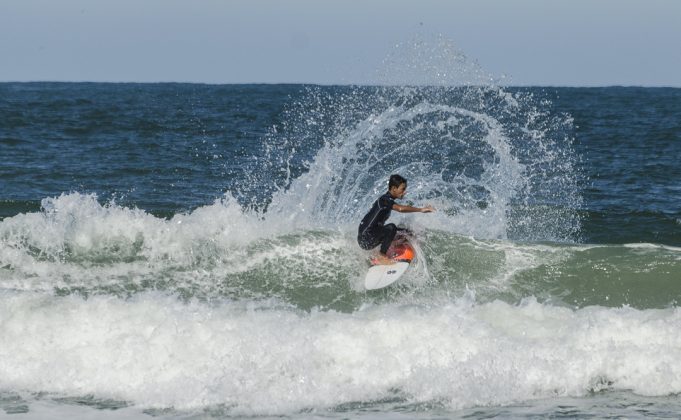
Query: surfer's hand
(428, 209)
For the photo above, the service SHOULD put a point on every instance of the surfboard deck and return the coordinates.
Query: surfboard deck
(380, 276)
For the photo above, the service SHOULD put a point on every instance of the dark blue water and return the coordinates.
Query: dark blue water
(164, 148)
(629, 142)
(181, 250)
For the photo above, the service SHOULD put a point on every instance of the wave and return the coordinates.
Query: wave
(156, 352)
(77, 245)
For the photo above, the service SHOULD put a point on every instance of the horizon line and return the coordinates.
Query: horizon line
(332, 84)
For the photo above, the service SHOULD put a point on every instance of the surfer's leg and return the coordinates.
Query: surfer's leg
(387, 235)
(368, 242)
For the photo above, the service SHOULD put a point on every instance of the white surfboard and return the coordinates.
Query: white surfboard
(380, 276)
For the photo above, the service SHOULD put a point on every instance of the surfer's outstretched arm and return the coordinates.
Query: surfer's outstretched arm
(410, 209)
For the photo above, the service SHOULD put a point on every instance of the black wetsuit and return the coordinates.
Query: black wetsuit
(373, 230)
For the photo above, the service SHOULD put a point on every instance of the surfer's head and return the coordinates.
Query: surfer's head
(397, 186)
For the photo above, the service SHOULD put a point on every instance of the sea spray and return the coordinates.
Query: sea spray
(497, 164)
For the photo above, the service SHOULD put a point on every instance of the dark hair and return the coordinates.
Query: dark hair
(396, 181)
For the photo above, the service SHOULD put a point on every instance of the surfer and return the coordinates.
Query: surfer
(373, 230)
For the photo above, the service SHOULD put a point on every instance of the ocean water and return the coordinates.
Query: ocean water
(188, 251)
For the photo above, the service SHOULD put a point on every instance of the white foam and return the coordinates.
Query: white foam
(644, 245)
(154, 351)
(74, 232)
(41, 409)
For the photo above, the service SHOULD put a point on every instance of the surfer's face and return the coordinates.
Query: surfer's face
(398, 192)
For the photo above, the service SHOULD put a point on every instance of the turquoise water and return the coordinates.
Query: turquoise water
(188, 251)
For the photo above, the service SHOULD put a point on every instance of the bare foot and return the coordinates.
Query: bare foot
(382, 259)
